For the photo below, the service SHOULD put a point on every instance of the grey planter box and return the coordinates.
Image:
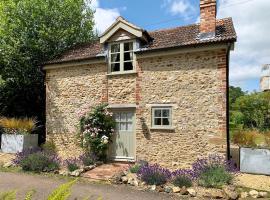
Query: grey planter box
(14, 143)
(255, 161)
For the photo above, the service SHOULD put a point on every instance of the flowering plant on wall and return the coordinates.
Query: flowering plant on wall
(96, 130)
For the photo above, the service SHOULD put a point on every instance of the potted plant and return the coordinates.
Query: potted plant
(17, 134)
(254, 151)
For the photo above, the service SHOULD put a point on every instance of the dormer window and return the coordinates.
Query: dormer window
(121, 57)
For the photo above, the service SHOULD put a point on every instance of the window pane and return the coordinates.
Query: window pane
(123, 117)
(117, 117)
(157, 113)
(129, 117)
(165, 113)
(115, 67)
(117, 126)
(157, 121)
(115, 48)
(128, 66)
(165, 121)
(129, 126)
(128, 46)
(128, 56)
(115, 57)
(122, 126)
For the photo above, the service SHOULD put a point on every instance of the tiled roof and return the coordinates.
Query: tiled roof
(162, 39)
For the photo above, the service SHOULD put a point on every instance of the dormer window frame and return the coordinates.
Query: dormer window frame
(122, 60)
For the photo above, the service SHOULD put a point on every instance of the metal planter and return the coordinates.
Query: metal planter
(255, 161)
(14, 143)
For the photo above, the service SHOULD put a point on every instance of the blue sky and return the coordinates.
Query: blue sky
(251, 19)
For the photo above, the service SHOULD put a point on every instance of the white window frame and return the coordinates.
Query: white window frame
(153, 126)
(122, 71)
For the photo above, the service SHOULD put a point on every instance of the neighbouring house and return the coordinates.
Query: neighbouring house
(167, 88)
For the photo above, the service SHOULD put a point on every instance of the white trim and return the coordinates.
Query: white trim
(74, 63)
(121, 61)
(120, 24)
(170, 117)
(119, 158)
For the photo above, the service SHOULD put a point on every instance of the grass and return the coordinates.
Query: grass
(24, 125)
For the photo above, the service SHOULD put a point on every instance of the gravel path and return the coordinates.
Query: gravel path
(23, 183)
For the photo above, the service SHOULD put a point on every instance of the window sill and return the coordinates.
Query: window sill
(121, 73)
(163, 128)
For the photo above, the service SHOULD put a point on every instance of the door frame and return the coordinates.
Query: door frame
(121, 158)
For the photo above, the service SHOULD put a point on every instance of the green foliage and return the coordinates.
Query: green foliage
(49, 147)
(249, 111)
(96, 129)
(63, 192)
(182, 180)
(72, 167)
(135, 168)
(10, 195)
(32, 32)
(255, 109)
(29, 195)
(215, 177)
(38, 162)
(234, 94)
(245, 138)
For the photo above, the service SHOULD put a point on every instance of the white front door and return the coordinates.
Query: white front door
(123, 145)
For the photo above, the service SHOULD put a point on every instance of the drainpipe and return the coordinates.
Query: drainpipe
(227, 102)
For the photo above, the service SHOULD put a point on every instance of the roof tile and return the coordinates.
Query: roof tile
(162, 39)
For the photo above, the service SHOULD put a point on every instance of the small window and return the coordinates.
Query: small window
(162, 117)
(121, 57)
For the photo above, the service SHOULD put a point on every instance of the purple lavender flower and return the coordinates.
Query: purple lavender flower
(72, 164)
(154, 174)
(25, 153)
(213, 160)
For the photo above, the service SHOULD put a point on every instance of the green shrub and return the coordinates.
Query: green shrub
(72, 164)
(215, 177)
(88, 159)
(49, 147)
(245, 138)
(39, 162)
(135, 168)
(181, 181)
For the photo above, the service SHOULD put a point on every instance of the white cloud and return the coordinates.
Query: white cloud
(178, 7)
(104, 17)
(252, 50)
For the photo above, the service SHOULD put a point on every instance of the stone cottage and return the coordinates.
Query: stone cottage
(167, 89)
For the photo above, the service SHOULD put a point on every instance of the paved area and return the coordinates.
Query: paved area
(44, 185)
(258, 182)
(106, 171)
(5, 158)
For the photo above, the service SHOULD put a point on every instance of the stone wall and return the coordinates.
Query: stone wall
(194, 83)
(69, 93)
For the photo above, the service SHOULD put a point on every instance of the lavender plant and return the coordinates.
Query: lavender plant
(182, 177)
(34, 159)
(88, 159)
(154, 174)
(214, 171)
(72, 164)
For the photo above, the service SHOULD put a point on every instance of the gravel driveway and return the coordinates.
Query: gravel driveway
(23, 183)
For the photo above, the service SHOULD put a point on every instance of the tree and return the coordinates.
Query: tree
(32, 32)
(234, 93)
(255, 109)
